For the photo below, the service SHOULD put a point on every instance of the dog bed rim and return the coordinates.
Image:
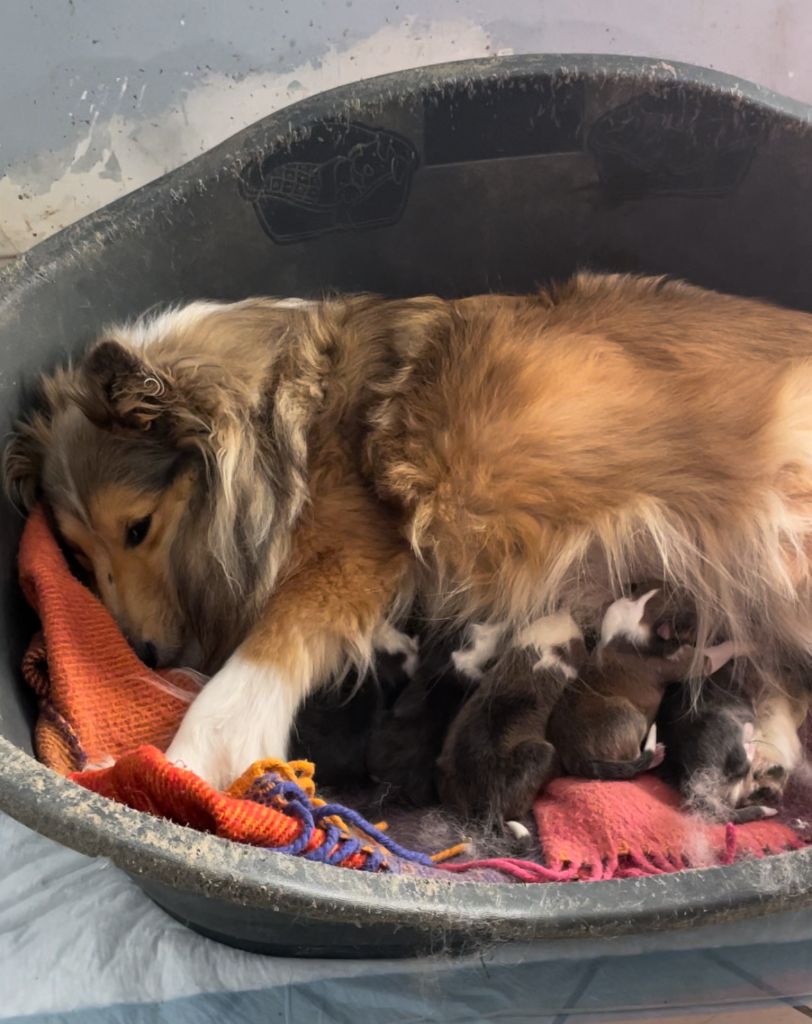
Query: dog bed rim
(95, 229)
(250, 876)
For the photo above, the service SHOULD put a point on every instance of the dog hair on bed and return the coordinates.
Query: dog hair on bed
(257, 487)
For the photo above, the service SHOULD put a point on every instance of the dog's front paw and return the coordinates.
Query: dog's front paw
(242, 715)
(208, 756)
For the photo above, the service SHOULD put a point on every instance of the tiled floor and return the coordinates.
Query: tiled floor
(758, 983)
(779, 1014)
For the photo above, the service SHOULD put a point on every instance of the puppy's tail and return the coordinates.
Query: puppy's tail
(650, 757)
(616, 771)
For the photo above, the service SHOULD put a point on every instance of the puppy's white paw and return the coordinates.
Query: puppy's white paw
(518, 830)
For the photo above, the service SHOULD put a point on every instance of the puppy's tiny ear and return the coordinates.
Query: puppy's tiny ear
(120, 390)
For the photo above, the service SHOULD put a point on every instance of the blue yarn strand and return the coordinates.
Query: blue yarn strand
(337, 847)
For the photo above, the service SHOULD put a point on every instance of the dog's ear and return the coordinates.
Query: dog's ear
(32, 436)
(118, 390)
(23, 459)
(121, 391)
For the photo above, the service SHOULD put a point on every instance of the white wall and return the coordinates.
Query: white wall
(99, 96)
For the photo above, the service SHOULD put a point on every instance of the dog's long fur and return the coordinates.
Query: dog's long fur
(308, 466)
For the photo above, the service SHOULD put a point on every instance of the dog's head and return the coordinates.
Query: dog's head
(172, 475)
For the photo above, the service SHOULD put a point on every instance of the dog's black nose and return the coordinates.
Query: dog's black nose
(147, 652)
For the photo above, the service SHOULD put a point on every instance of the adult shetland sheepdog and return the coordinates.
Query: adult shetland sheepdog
(259, 488)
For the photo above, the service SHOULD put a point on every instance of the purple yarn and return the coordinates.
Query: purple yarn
(336, 847)
(63, 725)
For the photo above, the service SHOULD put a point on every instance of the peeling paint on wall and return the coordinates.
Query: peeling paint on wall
(122, 152)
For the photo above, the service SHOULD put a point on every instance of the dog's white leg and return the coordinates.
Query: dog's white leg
(243, 714)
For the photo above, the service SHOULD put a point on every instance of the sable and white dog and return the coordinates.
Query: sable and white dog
(259, 489)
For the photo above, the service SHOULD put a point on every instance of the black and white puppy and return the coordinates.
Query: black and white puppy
(336, 724)
(496, 756)
(709, 748)
(409, 730)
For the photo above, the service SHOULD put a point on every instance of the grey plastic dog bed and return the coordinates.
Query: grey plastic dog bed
(495, 174)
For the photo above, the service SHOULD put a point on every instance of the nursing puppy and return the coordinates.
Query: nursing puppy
(733, 747)
(406, 737)
(709, 748)
(603, 726)
(334, 725)
(256, 487)
(497, 756)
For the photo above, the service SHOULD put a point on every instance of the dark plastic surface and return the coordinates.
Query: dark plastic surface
(481, 175)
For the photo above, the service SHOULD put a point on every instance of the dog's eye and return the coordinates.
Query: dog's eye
(137, 531)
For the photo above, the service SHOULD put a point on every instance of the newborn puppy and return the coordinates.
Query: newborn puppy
(409, 731)
(333, 727)
(408, 734)
(709, 748)
(496, 756)
(732, 748)
(603, 727)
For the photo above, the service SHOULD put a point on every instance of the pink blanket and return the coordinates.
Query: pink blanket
(594, 831)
